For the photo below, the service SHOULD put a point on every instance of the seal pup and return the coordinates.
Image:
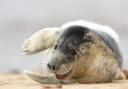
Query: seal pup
(83, 52)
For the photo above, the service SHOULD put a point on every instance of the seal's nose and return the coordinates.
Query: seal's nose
(51, 66)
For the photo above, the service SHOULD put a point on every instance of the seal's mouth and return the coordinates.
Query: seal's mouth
(61, 77)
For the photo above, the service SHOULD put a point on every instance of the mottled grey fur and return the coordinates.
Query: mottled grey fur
(76, 42)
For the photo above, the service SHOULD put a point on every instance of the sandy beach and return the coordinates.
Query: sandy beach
(20, 81)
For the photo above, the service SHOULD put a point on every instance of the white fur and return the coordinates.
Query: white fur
(40, 40)
(94, 26)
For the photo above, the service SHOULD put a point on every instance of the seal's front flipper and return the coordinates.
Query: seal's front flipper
(40, 41)
(42, 79)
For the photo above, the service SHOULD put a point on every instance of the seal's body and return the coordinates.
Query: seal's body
(85, 54)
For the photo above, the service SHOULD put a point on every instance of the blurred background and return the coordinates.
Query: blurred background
(21, 18)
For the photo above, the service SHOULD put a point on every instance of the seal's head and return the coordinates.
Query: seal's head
(65, 52)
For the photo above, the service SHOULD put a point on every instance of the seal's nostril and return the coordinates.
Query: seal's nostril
(52, 67)
(49, 66)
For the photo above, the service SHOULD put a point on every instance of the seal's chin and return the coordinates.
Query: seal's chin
(64, 76)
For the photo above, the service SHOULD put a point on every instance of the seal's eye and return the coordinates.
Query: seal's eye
(72, 51)
(55, 47)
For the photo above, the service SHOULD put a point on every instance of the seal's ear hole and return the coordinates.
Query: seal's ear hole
(55, 47)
